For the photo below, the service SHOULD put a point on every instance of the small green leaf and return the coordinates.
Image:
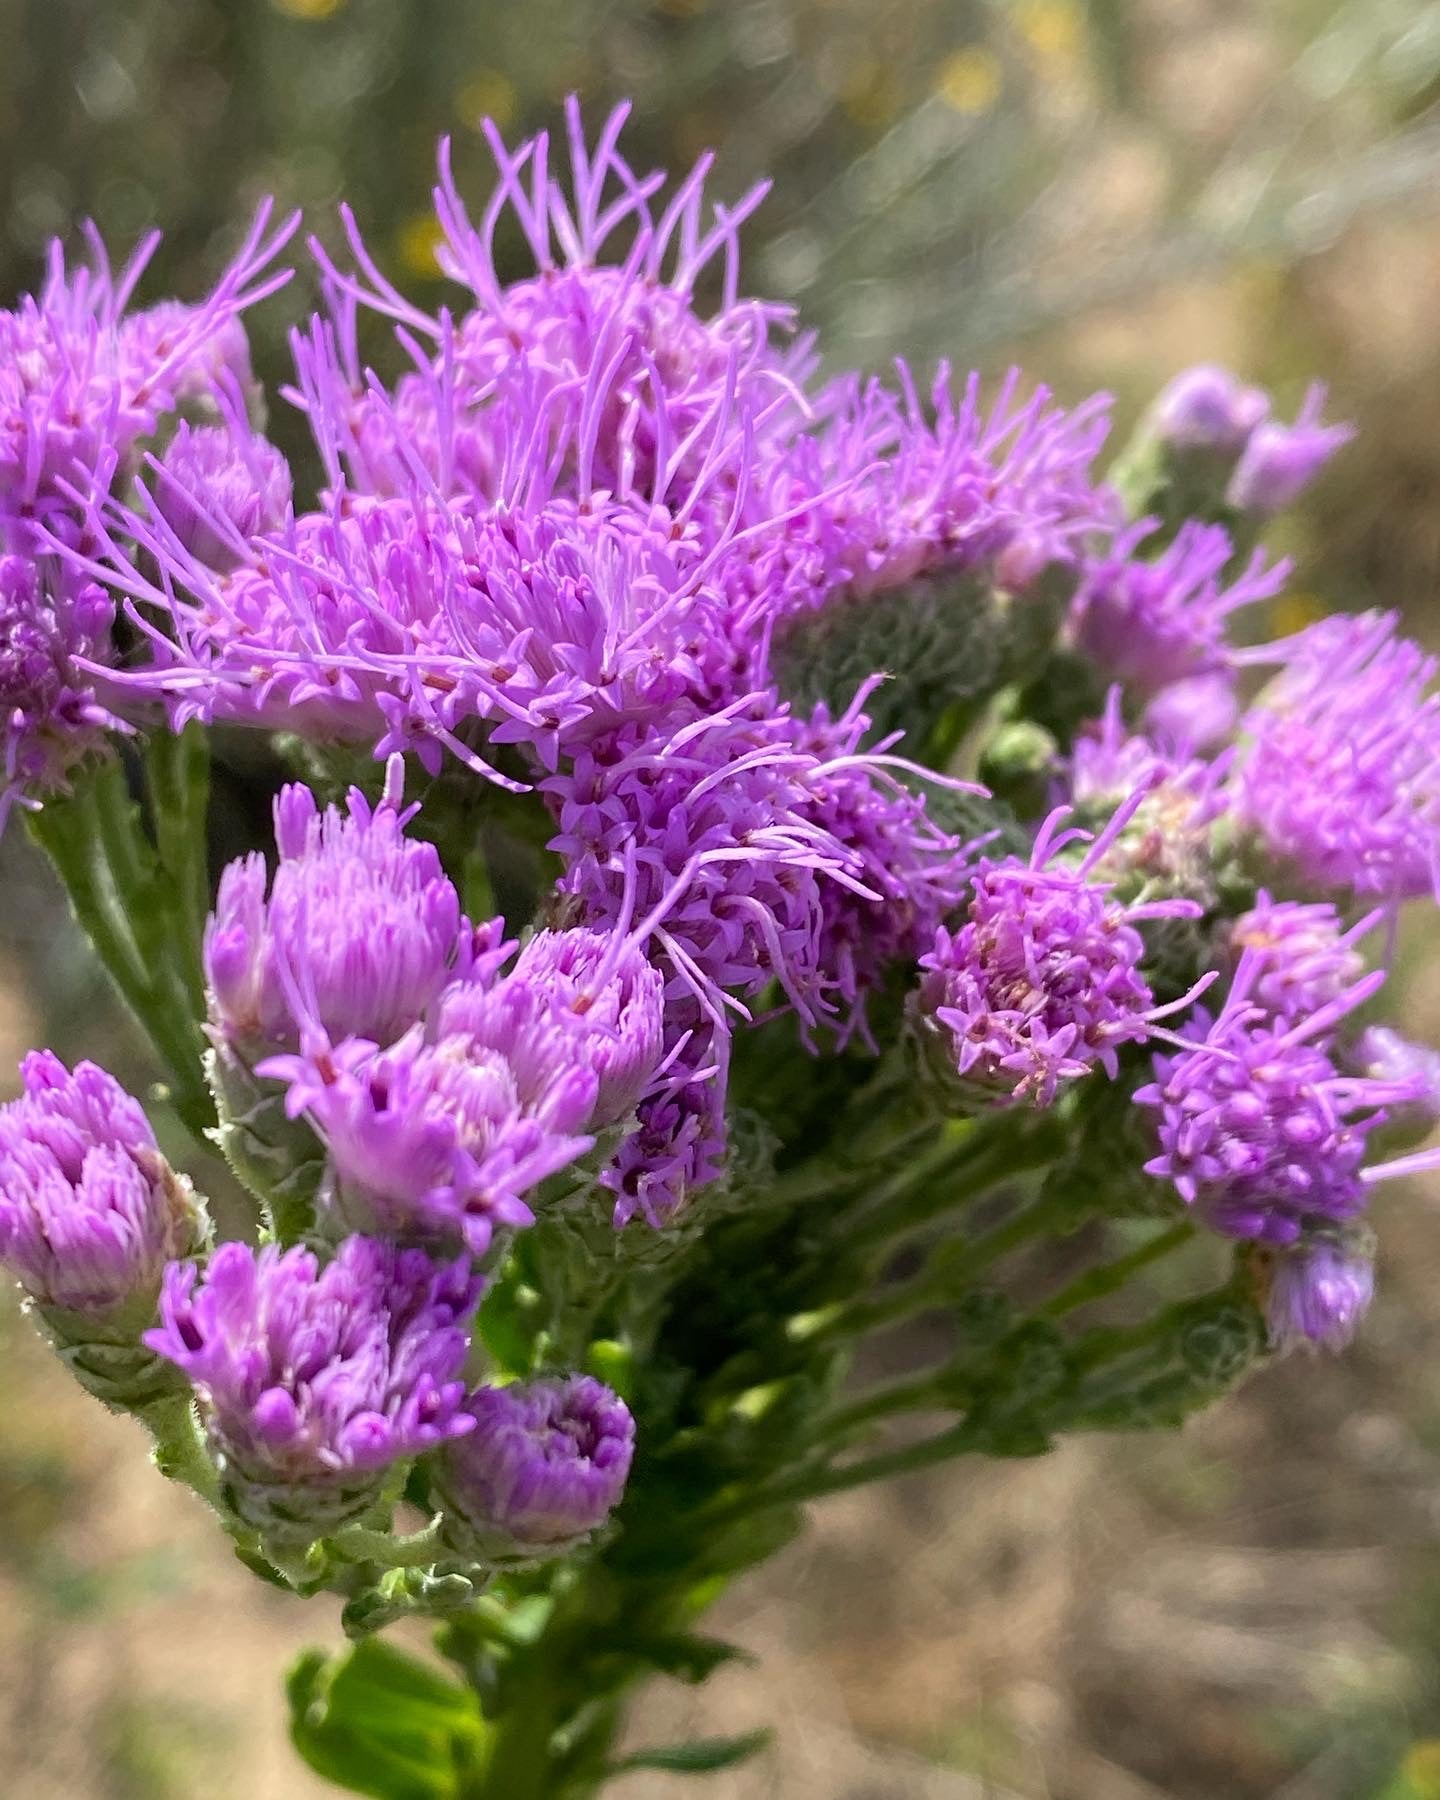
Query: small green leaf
(686, 1656)
(379, 1722)
(699, 1756)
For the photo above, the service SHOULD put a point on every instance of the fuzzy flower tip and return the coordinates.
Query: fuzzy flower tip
(313, 1381)
(359, 933)
(1318, 1292)
(541, 1472)
(1280, 461)
(1208, 408)
(1341, 779)
(90, 1212)
(1150, 622)
(1258, 1129)
(1042, 983)
(50, 714)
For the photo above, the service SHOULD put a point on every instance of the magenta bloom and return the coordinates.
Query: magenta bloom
(360, 931)
(1320, 1290)
(541, 1472)
(313, 1381)
(1341, 778)
(90, 1212)
(1150, 622)
(1280, 461)
(1042, 982)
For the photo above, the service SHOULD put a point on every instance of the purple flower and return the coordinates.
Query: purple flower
(614, 288)
(1341, 778)
(1384, 1055)
(1258, 1130)
(882, 494)
(1208, 408)
(312, 1382)
(359, 934)
(1280, 461)
(679, 1142)
(614, 999)
(51, 623)
(81, 384)
(1198, 712)
(1151, 622)
(90, 1212)
(440, 1136)
(1319, 1290)
(217, 486)
(1042, 982)
(1302, 956)
(541, 1472)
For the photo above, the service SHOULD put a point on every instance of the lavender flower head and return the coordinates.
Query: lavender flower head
(51, 715)
(81, 384)
(1280, 461)
(217, 486)
(439, 1137)
(360, 931)
(541, 1472)
(1303, 957)
(1341, 777)
(1318, 1291)
(614, 999)
(1152, 622)
(1208, 408)
(313, 1382)
(90, 1212)
(1043, 980)
(1258, 1129)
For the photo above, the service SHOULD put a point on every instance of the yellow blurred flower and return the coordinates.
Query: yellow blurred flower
(871, 95)
(970, 80)
(487, 95)
(1052, 28)
(1422, 1769)
(1293, 612)
(417, 241)
(308, 9)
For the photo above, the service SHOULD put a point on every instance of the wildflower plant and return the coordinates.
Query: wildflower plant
(915, 907)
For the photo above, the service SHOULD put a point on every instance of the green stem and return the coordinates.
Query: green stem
(956, 1440)
(905, 1395)
(1096, 1283)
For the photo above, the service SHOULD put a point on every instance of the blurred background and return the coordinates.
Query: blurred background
(1103, 191)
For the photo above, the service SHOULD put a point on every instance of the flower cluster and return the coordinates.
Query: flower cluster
(691, 659)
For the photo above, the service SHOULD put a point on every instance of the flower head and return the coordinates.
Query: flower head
(1208, 408)
(541, 1472)
(81, 383)
(1302, 956)
(1341, 777)
(90, 1212)
(313, 1381)
(359, 933)
(51, 716)
(1280, 461)
(1150, 622)
(217, 486)
(1258, 1129)
(1043, 980)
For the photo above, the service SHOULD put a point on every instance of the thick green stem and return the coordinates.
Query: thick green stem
(1109, 1277)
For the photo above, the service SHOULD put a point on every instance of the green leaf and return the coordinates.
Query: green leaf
(686, 1656)
(699, 1756)
(379, 1722)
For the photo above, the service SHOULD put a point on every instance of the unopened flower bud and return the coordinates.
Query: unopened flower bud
(541, 1472)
